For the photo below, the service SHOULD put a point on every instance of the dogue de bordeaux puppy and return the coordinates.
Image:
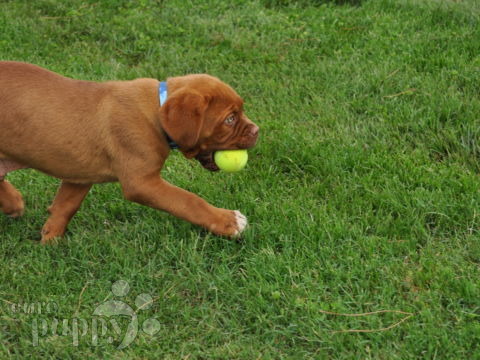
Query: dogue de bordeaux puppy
(86, 133)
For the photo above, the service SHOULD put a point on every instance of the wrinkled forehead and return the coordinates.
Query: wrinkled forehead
(213, 88)
(225, 96)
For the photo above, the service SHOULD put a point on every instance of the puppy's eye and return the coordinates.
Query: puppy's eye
(230, 120)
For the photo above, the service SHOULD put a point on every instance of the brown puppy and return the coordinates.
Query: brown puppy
(86, 133)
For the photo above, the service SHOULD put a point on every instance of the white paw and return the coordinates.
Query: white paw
(241, 221)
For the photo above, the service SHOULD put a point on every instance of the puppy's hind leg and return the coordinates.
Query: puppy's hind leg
(11, 202)
(67, 201)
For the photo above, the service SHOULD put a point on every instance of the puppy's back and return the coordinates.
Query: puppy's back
(46, 118)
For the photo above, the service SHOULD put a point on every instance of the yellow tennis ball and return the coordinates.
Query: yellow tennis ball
(231, 160)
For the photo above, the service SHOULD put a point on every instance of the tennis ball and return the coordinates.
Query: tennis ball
(231, 160)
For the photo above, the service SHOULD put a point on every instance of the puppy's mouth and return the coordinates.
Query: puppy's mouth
(207, 161)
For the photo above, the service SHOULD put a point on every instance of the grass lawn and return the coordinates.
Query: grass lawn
(362, 193)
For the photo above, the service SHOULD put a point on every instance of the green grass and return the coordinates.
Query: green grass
(362, 194)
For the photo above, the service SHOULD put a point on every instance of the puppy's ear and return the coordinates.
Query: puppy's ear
(182, 118)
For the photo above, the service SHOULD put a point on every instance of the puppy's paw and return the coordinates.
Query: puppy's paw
(11, 201)
(51, 233)
(230, 223)
(49, 239)
(14, 211)
(241, 222)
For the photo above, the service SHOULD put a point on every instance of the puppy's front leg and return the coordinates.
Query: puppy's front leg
(155, 192)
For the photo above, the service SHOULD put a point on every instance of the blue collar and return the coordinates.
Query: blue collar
(162, 95)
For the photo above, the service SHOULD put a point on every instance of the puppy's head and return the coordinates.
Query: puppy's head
(202, 115)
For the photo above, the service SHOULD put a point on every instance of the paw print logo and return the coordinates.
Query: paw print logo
(113, 308)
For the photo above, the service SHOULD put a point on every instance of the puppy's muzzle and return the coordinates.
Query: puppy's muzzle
(249, 138)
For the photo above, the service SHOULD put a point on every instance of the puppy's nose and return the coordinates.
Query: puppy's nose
(254, 131)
